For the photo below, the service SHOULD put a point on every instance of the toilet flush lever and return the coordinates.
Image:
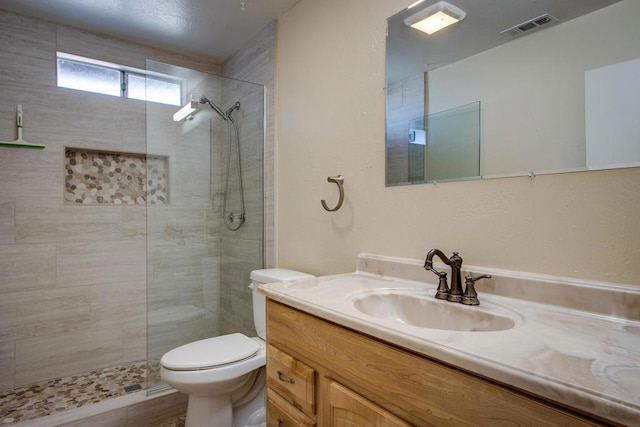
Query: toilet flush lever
(285, 379)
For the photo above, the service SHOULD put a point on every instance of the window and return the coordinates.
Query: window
(76, 72)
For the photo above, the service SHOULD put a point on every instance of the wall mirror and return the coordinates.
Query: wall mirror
(542, 86)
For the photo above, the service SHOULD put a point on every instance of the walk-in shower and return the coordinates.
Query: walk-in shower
(151, 266)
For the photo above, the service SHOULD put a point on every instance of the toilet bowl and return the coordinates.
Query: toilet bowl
(226, 372)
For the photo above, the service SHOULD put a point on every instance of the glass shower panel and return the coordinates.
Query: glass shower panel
(445, 145)
(197, 269)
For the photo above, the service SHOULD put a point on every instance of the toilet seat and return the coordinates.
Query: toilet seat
(210, 353)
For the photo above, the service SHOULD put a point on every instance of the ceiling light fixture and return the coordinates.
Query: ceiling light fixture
(435, 17)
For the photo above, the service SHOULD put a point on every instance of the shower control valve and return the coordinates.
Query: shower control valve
(236, 217)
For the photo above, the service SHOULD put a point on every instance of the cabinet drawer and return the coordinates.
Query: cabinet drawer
(292, 379)
(281, 413)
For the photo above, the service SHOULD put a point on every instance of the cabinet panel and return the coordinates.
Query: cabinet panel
(348, 409)
(420, 390)
(281, 413)
(291, 378)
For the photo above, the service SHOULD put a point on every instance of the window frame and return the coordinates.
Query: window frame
(125, 72)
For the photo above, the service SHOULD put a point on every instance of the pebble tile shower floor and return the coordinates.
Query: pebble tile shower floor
(60, 394)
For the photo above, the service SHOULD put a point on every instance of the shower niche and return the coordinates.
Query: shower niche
(109, 178)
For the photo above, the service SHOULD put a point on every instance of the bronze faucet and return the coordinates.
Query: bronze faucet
(455, 262)
(453, 294)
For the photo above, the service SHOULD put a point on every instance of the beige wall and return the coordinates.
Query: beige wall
(330, 120)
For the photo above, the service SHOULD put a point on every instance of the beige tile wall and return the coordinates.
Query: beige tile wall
(255, 62)
(242, 251)
(405, 99)
(72, 278)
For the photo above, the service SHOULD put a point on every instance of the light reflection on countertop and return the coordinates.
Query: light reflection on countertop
(585, 360)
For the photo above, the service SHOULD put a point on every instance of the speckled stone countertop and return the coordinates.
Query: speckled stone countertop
(583, 351)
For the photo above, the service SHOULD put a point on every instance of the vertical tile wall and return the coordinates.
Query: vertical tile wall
(404, 99)
(242, 251)
(72, 278)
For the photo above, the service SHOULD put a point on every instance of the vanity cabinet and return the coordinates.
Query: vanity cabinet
(322, 374)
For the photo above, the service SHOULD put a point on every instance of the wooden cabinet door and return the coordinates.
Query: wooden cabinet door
(349, 409)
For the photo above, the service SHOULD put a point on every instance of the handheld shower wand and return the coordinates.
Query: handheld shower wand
(230, 218)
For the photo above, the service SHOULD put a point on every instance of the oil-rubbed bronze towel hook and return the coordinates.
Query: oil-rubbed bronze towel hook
(339, 180)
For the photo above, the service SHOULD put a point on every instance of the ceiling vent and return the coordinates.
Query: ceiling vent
(529, 25)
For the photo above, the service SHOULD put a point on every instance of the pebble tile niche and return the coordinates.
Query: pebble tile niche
(104, 178)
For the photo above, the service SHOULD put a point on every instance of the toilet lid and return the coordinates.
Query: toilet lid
(209, 353)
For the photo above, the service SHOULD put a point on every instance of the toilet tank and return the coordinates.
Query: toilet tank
(268, 275)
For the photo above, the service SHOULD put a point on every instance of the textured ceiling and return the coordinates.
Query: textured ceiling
(215, 28)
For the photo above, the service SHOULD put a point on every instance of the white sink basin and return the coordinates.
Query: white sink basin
(423, 310)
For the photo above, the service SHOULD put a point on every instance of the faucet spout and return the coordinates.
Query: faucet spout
(443, 286)
(428, 262)
(455, 262)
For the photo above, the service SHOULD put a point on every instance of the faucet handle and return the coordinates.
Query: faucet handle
(470, 296)
(443, 287)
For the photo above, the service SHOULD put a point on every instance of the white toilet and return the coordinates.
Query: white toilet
(224, 376)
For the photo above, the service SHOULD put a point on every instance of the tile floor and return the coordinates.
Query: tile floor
(178, 421)
(56, 395)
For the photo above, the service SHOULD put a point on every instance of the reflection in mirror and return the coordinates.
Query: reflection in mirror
(446, 145)
(558, 84)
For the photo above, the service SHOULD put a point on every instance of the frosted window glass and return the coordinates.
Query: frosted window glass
(162, 91)
(136, 87)
(106, 79)
(89, 78)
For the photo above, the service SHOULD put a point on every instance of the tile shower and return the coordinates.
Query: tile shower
(98, 276)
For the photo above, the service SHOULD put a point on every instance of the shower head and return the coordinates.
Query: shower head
(226, 115)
